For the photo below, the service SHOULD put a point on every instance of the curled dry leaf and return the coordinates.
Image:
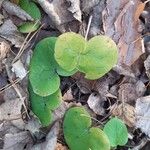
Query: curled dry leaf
(60, 13)
(96, 103)
(126, 113)
(13, 9)
(51, 139)
(9, 32)
(120, 22)
(142, 110)
(147, 66)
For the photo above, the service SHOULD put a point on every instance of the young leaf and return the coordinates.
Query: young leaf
(78, 132)
(42, 106)
(94, 57)
(117, 132)
(32, 9)
(44, 69)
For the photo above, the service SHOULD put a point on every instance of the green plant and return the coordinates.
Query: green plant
(116, 132)
(79, 134)
(44, 69)
(94, 57)
(42, 107)
(32, 9)
(72, 53)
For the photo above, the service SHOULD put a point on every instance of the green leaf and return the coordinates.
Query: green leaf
(79, 134)
(94, 57)
(43, 68)
(42, 107)
(32, 9)
(117, 132)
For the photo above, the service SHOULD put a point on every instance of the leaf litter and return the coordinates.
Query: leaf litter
(123, 92)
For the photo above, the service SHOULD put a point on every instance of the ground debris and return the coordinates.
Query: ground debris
(60, 13)
(122, 27)
(126, 113)
(142, 110)
(13, 9)
(9, 31)
(51, 139)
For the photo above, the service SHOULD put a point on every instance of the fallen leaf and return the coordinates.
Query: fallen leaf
(19, 69)
(60, 13)
(4, 48)
(87, 5)
(60, 147)
(13, 9)
(17, 141)
(9, 32)
(142, 110)
(1, 19)
(11, 111)
(129, 92)
(96, 103)
(147, 66)
(51, 139)
(126, 113)
(68, 95)
(122, 26)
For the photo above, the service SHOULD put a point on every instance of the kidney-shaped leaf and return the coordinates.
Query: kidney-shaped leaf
(32, 9)
(79, 134)
(94, 57)
(43, 68)
(42, 106)
(117, 132)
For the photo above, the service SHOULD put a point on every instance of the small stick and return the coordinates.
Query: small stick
(88, 27)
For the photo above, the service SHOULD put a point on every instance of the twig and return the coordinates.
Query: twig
(88, 27)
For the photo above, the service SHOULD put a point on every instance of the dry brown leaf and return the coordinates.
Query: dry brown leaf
(17, 141)
(60, 147)
(15, 1)
(13, 9)
(19, 69)
(147, 66)
(125, 112)
(68, 95)
(4, 48)
(129, 92)
(120, 22)
(9, 32)
(96, 103)
(51, 139)
(1, 19)
(60, 13)
(142, 110)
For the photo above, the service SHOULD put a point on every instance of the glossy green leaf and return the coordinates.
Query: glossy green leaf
(42, 107)
(94, 57)
(117, 132)
(32, 9)
(79, 134)
(43, 68)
